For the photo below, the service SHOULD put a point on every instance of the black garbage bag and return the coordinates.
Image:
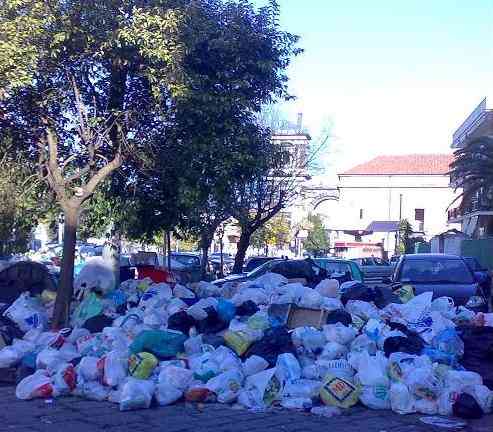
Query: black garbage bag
(478, 351)
(212, 339)
(97, 323)
(181, 321)
(276, 340)
(361, 292)
(339, 315)
(9, 330)
(211, 324)
(408, 344)
(467, 407)
(247, 308)
(295, 269)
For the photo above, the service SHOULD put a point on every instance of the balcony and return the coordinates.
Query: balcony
(478, 123)
(477, 207)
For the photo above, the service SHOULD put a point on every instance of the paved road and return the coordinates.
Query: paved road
(78, 415)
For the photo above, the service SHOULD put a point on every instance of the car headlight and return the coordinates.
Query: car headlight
(475, 301)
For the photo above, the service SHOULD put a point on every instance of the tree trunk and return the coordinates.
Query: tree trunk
(241, 251)
(205, 244)
(61, 314)
(168, 247)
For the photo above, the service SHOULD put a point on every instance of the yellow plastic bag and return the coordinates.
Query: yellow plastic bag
(142, 364)
(339, 392)
(237, 341)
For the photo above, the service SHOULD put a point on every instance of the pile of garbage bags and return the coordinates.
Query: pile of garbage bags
(147, 343)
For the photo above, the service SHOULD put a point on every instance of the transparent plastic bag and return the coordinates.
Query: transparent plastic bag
(37, 385)
(287, 368)
(136, 394)
(254, 364)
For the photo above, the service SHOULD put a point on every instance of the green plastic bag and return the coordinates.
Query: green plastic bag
(163, 344)
(90, 307)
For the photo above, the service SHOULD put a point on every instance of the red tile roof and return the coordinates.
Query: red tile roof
(414, 164)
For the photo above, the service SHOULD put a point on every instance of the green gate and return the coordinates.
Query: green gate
(481, 249)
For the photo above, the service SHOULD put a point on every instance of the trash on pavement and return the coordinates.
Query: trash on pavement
(269, 342)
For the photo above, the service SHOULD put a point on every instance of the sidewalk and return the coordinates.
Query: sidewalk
(78, 415)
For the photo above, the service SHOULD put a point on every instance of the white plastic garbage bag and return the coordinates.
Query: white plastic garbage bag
(166, 394)
(401, 400)
(302, 388)
(340, 368)
(92, 390)
(10, 355)
(260, 390)
(309, 338)
(254, 364)
(287, 368)
(458, 380)
(197, 310)
(310, 299)
(96, 275)
(401, 365)
(363, 343)
(64, 380)
(339, 333)
(426, 406)
(226, 386)
(328, 288)
(269, 281)
(206, 289)
(444, 305)
(331, 304)
(49, 358)
(193, 345)
(87, 369)
(372, 374)
(136, 394)
(28, 313)
(423, 383)
(362, 309)
(296, 403)
(333, 351)
(115, 367)
(183, 292)
(175, 377)
(37, 385)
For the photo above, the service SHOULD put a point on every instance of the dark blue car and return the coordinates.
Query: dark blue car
(444, 275)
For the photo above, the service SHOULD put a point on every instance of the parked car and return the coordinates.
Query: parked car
(290, 268)
(374, 269)
(344, 270)
(444, 275)
(481, 273)
(253, 262)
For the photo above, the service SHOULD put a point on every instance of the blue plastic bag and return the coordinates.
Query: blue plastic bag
(226, 310)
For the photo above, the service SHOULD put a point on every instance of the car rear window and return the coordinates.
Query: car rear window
(436, 270)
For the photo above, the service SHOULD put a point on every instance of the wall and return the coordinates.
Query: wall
(378, 197)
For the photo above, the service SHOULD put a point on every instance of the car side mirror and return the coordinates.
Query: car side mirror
(386, 280)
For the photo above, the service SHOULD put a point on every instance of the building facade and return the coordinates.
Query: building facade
(376, 195)
(475, 215)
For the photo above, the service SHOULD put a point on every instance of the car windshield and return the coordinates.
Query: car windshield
(436, 270)
(334, 266)
(187, 260)
(264, 268)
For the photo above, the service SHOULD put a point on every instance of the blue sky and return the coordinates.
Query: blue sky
(391, 76)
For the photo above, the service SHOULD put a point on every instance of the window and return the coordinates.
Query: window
(361, 213)
(419, 216)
